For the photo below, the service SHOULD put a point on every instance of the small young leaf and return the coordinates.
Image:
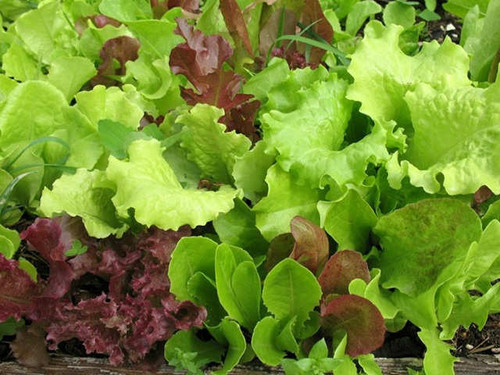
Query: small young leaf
(238, 285)
(186, 351)
(311, 244)
(77, 248)
(192, 255)
(229, 334)
(264, 341)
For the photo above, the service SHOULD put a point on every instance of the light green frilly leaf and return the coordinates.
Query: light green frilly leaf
(285, 200)
(84, 194)
(383, 73)
(209, 145)
(457, 139)
(148, 185)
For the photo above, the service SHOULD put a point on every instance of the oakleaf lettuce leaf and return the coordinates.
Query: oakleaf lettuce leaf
(148, 185)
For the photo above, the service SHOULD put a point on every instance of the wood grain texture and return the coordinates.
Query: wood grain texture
(474, 365)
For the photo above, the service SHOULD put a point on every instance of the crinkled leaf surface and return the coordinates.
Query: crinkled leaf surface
(82, 195)
(208, 144)
(456, 136)
(111, 104)
(383, 73)
(148, 184)
(253, 185)
(285, 200)
(422, 240)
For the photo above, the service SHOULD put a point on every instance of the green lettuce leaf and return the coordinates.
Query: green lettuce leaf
(237, 227)
(47, 32)
(186, 351)
(110, 103)
(348, 220)
(9, 242)
(253, 184)
(148, 185)
(86, 195)
(457, 138)
(209, 145)
(383, 73)
(69, 74)
(238, 285)
(286, 199)
(424, 243)
(228, 334)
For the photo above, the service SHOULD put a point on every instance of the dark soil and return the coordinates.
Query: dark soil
(473, 341)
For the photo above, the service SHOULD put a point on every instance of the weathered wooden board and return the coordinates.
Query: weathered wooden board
(61, 365)
(476, 365)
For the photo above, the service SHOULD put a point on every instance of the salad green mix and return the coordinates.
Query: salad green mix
(283, 181)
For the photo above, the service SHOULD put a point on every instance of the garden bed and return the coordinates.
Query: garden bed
(240, 186)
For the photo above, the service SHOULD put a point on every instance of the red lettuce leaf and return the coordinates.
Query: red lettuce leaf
(115, 298)
(280, 248)
(122, 49)
(17, 290)
(343, 267)
(313, 14)
(233, 16)
(359, 318)
(200, 59)
(311, 244)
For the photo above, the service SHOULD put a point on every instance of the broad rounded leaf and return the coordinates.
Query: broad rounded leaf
(359, 318)
(291, 290)
(343, 267)
(422, 239)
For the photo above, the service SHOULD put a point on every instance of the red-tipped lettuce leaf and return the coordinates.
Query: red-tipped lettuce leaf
(122, 49)
(280, 248)
(313, 14)
(311, 244)
(359, 318)
(200, 59)
(343, 267)
(233, 16)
